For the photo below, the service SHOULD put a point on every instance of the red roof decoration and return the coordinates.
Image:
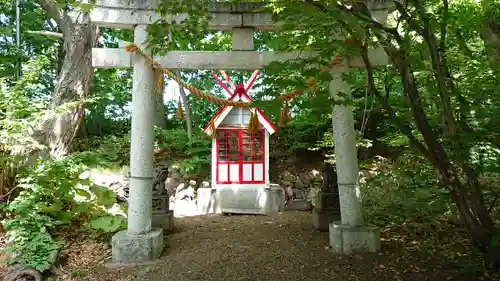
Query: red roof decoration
(239, 93)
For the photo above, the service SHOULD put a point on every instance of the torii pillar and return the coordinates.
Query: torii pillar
(140, 243)
(351, 234)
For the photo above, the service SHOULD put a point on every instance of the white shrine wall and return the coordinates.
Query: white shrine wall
(251, 198)
(260, 198)
(237, 116)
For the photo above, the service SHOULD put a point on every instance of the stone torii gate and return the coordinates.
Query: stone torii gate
(140, 242)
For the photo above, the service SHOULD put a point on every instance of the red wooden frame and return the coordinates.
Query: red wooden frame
(256, 155)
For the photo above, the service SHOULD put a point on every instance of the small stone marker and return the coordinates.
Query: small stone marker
(328, 209)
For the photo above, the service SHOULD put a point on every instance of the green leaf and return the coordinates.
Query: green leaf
(105, 197)
(83, 193)
(107, 223)
(64, 216)
(49, 208)
(82, 207)
(495, 238)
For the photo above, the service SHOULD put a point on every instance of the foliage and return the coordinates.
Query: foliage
(414, 185)
(187, 155)
(55, 194)
(403, 196)
(172, 147)
(48, 195)
(30, 241)
(21, 112)
(110, 151)
(405, 188)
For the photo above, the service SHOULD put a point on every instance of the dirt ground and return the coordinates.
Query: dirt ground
(285, 247)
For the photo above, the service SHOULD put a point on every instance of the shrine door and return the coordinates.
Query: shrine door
(240, 157)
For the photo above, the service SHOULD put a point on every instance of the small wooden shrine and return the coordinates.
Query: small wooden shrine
(240, 155)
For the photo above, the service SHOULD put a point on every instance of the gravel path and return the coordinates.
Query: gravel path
(261, 248)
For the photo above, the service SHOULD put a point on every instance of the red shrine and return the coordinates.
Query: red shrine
(240, 159)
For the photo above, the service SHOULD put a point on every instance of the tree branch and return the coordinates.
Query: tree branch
(438, 66)
(405, 129)
(50, 6)
(463, 44)
(46, 33)
(359, 11)
(444, 26)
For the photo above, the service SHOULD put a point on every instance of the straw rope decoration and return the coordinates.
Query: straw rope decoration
(285, 116)
(180, 112)
(212, 128)
(253, 123)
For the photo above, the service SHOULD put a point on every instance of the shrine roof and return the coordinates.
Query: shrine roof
(224, 111)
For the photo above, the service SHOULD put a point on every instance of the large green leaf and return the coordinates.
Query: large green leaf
(104, 196)
(107, 223)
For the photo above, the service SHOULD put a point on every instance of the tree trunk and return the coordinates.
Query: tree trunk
(74, 80)
(456, 175)
(491, 32)
(491, 38)
(187, 111)
(160, 120)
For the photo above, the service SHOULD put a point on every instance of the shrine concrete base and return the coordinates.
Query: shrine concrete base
(321, 219)
(257, 199)
(136, 249)
(164, 221)
(346, 239)
(206, 202)
(298, 205)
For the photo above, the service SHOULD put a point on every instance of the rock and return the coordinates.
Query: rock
(312, 194)
(299, 184)
(316, 174)
(299, 205)
(299, 202)
(121, 189)
(287, 176)
(180, 188)
(19, 271)
(299, 194)
(187, 193)
(306, 181)
(170, 183)
(173, 180)
(289, 192)
(174, 173)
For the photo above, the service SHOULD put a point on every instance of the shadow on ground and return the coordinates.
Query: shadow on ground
(285, 247)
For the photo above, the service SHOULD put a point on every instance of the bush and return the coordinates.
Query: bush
(108, 151)
(189, 156)
(55, 194)
(172, 146)
(402, 190)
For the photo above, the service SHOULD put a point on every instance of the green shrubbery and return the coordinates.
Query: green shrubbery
(403, 189)
(188, 155)
(54, 195)
(48, 195)
(172, 146)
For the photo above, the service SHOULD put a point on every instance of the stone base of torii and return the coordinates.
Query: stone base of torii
(140, 242)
